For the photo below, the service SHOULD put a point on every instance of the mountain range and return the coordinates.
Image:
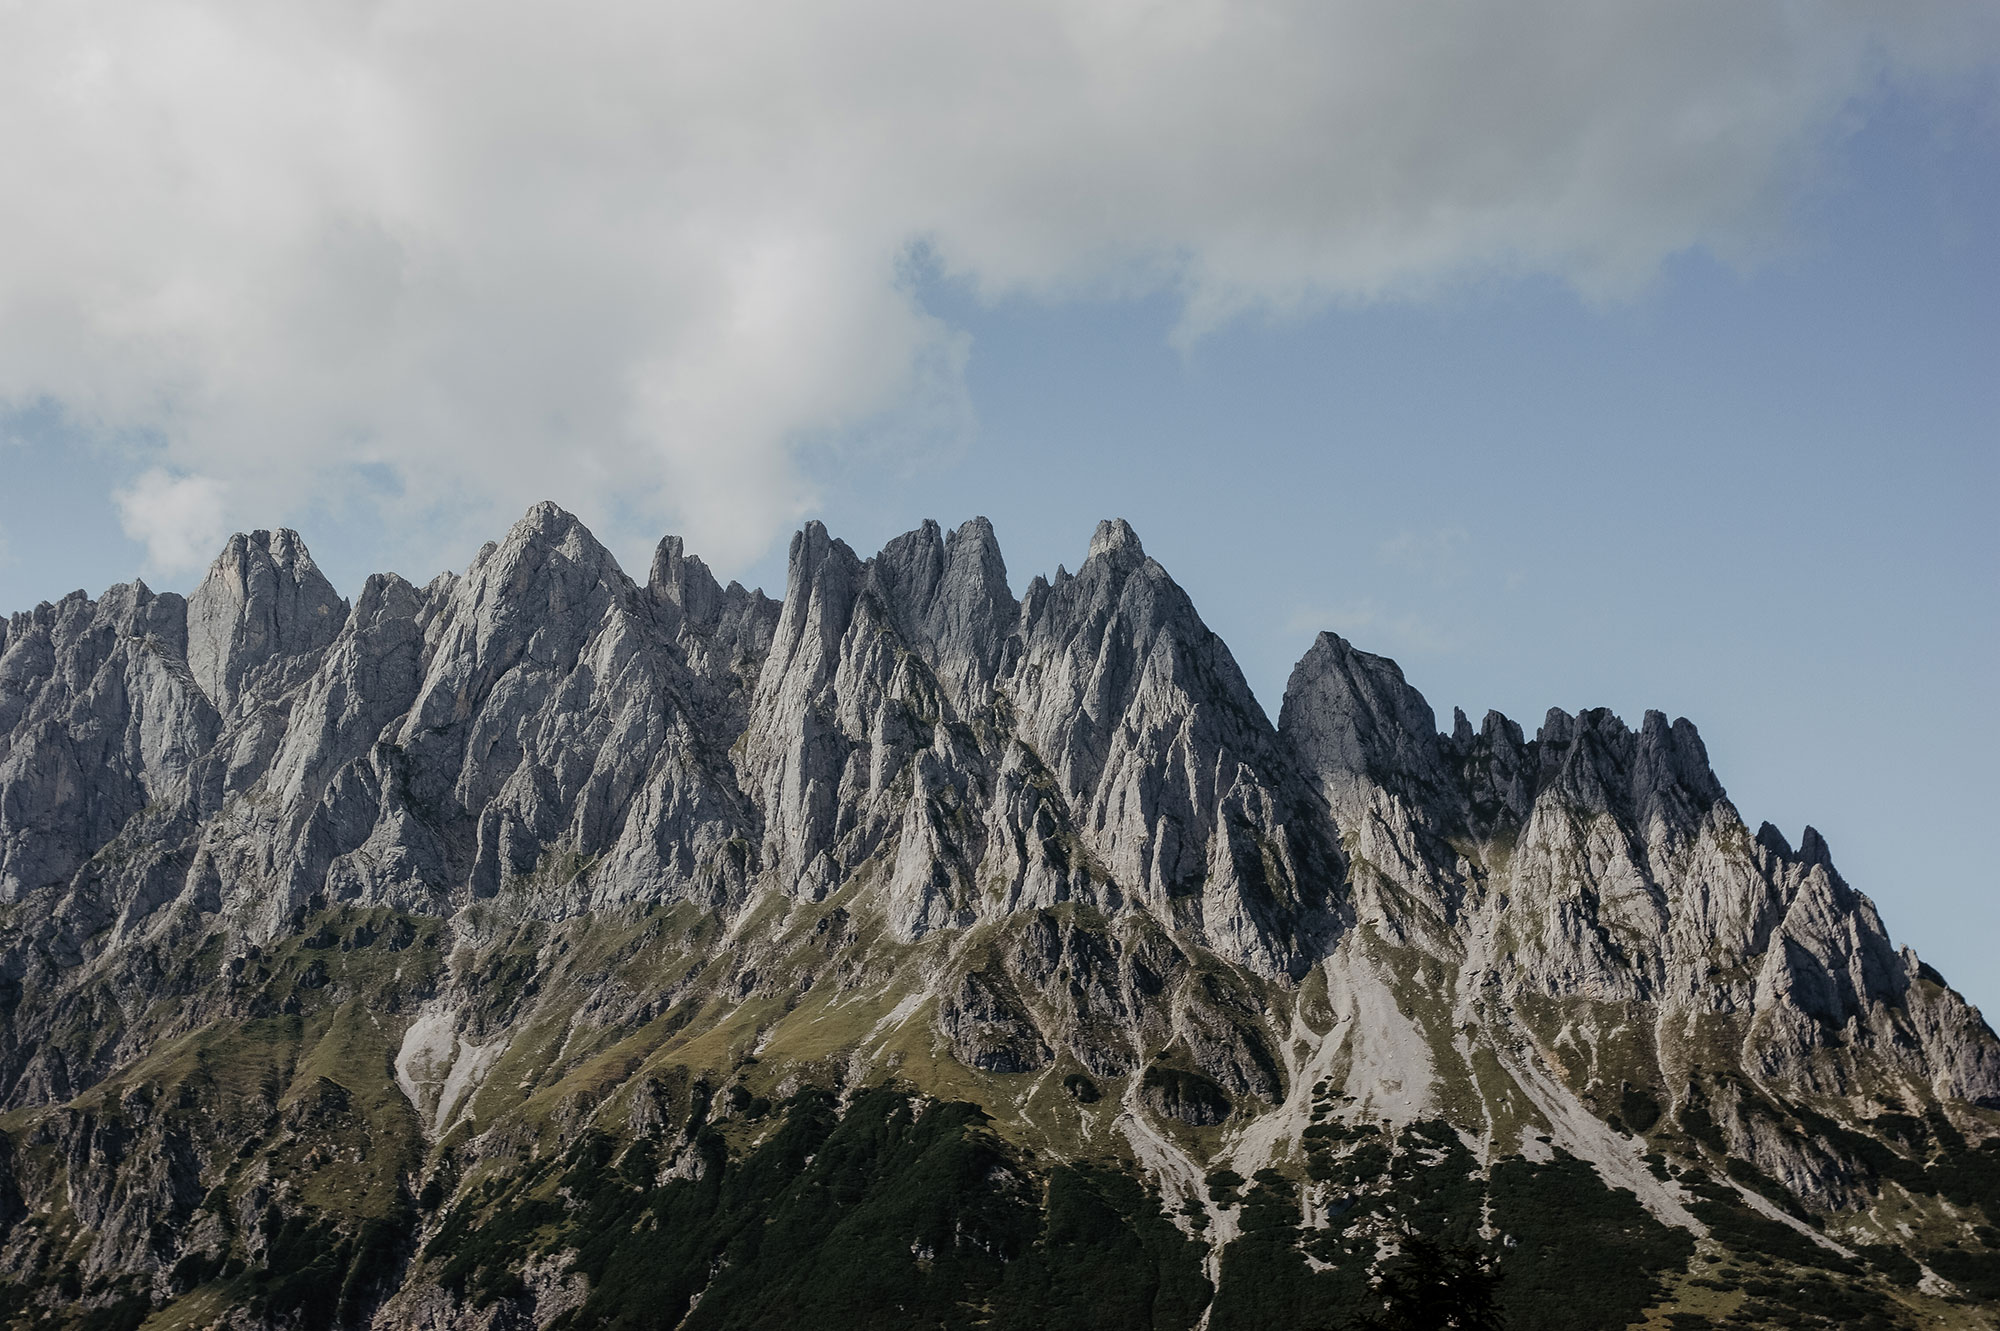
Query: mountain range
(544, 948)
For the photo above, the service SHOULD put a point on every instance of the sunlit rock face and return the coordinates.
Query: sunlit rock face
(546, 851)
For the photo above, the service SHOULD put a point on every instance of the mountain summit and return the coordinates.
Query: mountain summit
(541, 948)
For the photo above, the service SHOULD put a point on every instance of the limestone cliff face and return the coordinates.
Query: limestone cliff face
(1053, 835)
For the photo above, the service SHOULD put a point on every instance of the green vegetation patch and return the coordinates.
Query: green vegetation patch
(1577, 1255)
(894, 1214)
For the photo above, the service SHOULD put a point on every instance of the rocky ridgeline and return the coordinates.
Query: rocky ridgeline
(1045, 855)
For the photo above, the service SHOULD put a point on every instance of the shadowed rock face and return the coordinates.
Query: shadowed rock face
(1054, 838)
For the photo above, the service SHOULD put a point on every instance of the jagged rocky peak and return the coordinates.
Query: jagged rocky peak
(1350, 715)
(547, 551)
(850, 750)
(948, 596)
(909, 707)
(263, 599)
(969, 618)
(1358, 726)
(822, 577)
(1115, 539)
(683, 581)
(1143, 715)
(1600, 763)
(1119, 633)
(945, 597)
(538, 594)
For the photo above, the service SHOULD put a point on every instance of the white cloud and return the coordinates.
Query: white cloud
(635, 256)
(181, 520)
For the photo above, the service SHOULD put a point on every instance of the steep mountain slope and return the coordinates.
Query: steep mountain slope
(538, 947)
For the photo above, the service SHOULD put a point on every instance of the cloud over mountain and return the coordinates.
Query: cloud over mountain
(642, 256)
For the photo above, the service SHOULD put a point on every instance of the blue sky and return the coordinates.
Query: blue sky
(1720, 436)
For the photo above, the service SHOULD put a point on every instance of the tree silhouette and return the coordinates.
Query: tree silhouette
(1429, 1287)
